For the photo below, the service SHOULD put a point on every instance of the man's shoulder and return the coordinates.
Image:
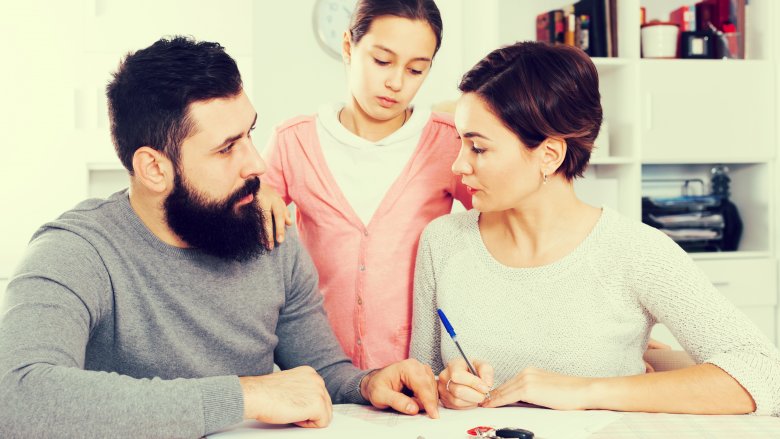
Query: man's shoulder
(88, 215)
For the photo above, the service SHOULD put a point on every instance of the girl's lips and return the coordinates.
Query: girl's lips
(471, 191)
(386, 102)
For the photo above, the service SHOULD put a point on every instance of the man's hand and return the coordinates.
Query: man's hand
(274, 212)
(383, 388)
(459, 389)
(296, 396)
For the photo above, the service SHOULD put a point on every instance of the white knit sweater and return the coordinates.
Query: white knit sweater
(587, 314)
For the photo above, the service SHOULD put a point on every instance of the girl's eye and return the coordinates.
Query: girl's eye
(380, 62)
(477, 149)
(415, 72)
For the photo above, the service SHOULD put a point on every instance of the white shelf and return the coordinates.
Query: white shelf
(705, 256)
(614, 161)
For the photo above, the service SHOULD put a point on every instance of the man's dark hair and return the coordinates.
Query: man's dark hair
(539, 91)
(149, 97)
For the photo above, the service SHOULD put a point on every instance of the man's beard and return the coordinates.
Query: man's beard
(217, 227)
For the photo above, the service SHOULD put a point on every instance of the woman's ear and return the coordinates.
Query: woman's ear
(152, 169)
(553, 154)
(346, 47)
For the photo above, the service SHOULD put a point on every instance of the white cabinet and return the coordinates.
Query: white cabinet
(707, 110)
(676, 119)
(751, 284)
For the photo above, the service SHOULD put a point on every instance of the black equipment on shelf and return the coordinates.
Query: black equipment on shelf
(698, 223)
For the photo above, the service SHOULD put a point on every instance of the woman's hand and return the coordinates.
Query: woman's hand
(459, 389)
(654, 344)
(543, 388)
(274, 212)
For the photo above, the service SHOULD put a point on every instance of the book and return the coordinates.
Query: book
(683, 17)
(613, 27)
(550, 26)
(597, 26)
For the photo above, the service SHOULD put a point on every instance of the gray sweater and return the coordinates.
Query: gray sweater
(106, 331)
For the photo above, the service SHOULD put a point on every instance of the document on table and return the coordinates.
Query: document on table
(349, 419)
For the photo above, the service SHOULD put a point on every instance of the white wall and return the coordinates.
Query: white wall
(40, 174)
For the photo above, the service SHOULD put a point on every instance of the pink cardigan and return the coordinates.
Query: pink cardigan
(366, 271)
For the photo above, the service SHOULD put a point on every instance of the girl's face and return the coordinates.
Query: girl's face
(499, 170)
(389, 64)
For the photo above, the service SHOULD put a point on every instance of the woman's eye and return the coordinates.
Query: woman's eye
(477, 149)
(380, 62)
(227, 149)
(415, 72)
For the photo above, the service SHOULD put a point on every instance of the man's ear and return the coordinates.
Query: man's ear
(152, 169)
(346, 47)
(553, 154)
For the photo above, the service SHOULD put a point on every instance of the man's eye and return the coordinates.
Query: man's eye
(227, 149)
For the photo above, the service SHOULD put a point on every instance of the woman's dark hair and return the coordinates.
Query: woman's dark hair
(366, 11)
(539, 91)
(150, 94)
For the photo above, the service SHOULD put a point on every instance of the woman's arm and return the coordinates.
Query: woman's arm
(426, 337)
(674, 290)
(700, 389)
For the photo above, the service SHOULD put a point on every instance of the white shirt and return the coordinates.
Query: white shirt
(365, 170)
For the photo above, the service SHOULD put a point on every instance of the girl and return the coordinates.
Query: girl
(558, 297)
(368, 175)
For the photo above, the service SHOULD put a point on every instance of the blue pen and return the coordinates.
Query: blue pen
(454, 337)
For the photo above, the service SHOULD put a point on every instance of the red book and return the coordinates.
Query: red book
(550, 26)
(683, 17)
(544, 30)
(716, 12)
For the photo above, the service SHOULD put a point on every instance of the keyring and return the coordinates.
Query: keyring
(481, 431)
(500, 433)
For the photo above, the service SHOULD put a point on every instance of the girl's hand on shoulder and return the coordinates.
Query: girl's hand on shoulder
(275, 213)
(546, 389)
(459, 389)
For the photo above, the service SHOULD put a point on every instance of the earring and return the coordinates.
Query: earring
(544, 178)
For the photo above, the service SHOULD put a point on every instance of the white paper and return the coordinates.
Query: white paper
(351, 419)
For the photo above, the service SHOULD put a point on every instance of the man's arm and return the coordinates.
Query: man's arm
(59, 295)
(305, 335)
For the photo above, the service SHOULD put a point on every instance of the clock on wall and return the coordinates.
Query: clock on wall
(330, 19)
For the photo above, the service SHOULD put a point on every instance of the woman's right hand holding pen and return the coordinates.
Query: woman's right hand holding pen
(460, 389)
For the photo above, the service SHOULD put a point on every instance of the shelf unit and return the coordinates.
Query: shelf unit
(676, 119)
